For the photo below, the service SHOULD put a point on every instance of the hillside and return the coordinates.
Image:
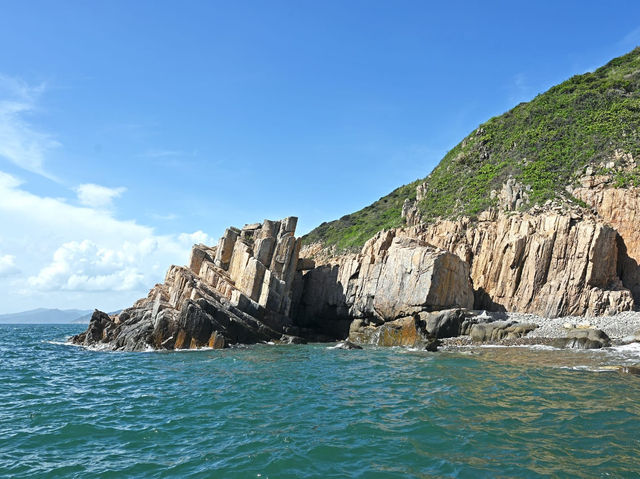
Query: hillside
(545, 144)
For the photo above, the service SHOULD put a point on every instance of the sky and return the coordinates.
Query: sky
(131, 130)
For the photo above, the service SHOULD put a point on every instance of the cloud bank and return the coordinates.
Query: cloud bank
(64, 248)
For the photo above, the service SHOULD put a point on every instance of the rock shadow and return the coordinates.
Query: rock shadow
(483, 300)
(320, 303)
(628, 271)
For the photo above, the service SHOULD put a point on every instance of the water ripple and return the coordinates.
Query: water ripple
(308, 411)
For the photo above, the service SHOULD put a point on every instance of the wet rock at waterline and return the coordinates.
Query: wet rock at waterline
(584, 339)
(409, 331)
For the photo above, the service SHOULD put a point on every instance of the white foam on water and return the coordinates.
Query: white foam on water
(59, 342)
(593, 369)
(542, 347)
(628, 348)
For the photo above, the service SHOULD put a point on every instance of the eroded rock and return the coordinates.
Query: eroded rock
(409, 332)
(548, 263)
(584, 339)
(498, 330)
(237, 292)
(392, 277)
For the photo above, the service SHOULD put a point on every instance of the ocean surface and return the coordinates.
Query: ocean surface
(308, 411)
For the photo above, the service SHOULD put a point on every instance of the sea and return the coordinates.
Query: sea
(310, 411)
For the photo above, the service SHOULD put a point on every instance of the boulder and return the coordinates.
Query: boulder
(391, 278)
(583, 339)
(408, 332)
(446, 324)
(498, 330)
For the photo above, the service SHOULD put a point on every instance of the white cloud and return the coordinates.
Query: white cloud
(165, 217)
(80, 256)
(20, 142)
(84, 266)
(97, 196)
(8, 266)
(197, 237)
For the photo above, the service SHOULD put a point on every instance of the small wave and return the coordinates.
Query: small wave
(59, 342)
(592, 369)
(542, 347)
(628, 348)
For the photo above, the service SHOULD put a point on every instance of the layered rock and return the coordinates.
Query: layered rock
(391, 278)
(239, 291)
(553, 260)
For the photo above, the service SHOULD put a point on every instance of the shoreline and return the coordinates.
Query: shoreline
(621, 328)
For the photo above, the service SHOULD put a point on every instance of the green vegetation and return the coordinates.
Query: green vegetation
(355, 229)
(545, 143)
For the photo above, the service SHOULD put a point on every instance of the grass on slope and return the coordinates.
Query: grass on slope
(545, 143)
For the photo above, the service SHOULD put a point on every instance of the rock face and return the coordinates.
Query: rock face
(620, 208)
(551, 263)
(552, 260)
(237, 292)
(409, 331)
(391, 278)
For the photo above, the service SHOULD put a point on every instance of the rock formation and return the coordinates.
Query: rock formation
(551, 263)
(552, 260)
(408, 331)
(619, 208)
(583, 339)
(236, 292)
(391, 278)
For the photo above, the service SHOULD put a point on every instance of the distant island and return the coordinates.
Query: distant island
(47, 316)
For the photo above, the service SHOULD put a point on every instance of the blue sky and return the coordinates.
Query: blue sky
(129, 130)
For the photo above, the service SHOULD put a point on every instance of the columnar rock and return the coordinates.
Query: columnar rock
(547, 262)
(392, 277)
(236, 292)
(620, 208)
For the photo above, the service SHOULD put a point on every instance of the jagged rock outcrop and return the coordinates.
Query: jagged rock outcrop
(391, 278)
(552, 260)
(512, 196)
(239, 291)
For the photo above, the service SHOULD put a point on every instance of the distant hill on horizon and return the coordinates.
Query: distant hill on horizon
(47, 316)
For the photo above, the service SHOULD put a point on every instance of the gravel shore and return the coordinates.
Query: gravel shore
(617, 327)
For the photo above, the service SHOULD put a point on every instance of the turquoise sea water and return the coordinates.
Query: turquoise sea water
(308, 411)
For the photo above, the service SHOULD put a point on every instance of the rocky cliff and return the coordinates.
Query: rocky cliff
(553, 260)
(251, 288)
(236, 292)
(391, 278)
(541, 202)
(535, 211)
